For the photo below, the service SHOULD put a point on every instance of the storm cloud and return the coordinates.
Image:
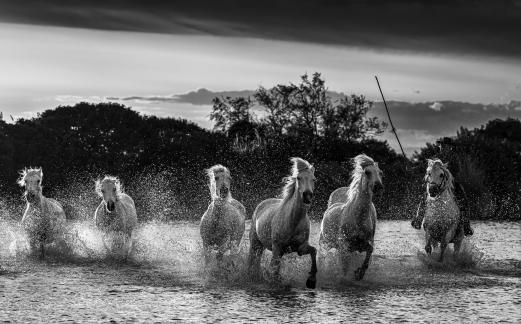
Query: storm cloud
(471, 27)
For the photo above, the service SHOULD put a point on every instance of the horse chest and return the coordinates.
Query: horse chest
(440, 209)
(291, 237)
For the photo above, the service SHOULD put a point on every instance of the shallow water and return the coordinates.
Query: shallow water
(165, 280)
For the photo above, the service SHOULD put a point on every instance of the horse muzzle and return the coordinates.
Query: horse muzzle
(307, 197)
(31, 197)
(223, 192)
(378, 188)
(111, 206)
(434, 189)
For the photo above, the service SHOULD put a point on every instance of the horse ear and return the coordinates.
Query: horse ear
(40, 172)
(446, 165)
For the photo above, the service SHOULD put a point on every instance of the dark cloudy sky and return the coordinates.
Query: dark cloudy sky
(61, 51)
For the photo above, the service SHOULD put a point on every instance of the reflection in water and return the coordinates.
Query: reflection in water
(165, 279)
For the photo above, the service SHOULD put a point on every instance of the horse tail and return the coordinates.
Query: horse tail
(213, 185)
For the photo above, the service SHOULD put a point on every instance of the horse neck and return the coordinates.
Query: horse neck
(445, 195)
(362, 202)
(296, 208)
(40, 204)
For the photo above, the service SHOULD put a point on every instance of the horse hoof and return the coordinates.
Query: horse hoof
(311, 283)
(359, 274)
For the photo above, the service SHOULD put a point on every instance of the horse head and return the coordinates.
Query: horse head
(109, 189)
(372, 175)
(220, 181)
(437, 177)
(303, 175)
(31, 179)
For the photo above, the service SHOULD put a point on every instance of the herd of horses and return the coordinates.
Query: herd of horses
(281, 225)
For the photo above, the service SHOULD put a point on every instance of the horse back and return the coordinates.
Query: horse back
(330, 225)
(337, 196)
(130, 210)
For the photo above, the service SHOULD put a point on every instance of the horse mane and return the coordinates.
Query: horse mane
(117, 183)
(25, 172)
(444, 167)
(290, 182)
(211, 176)
(359, 163)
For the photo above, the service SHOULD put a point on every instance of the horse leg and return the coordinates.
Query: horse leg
(344, 252)
(323, 248)
(445, 242)
(275, 261)
(360, 272)
(206, 252)
(428, 243)
(221, 250)
(457, 247)
(305, 249)
(443, 246)
(42, 247)
(255, 254)
(458, 240)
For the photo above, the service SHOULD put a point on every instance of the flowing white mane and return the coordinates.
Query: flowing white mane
(107, 178)
(299, 165)
(27, 172)
(359, 163)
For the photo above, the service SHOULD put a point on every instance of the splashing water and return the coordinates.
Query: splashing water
(164, 277)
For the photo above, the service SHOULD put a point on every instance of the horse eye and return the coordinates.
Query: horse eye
(103, 190)
(216, 178)
(367, 172)
(442, 176)
(114, 189)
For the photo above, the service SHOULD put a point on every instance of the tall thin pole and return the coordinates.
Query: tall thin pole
(389, 116)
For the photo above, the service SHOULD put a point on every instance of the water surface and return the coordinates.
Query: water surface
(165, 280)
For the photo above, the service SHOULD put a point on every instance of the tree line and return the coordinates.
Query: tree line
(161, 161)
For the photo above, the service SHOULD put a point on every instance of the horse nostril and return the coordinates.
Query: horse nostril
(308, 197)
(110, 205)
(224, 192)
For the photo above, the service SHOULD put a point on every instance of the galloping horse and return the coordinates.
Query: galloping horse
(350, 225)
(44, 218)
(442, 215)
(222, 225)
(282, 225)
(116, 213)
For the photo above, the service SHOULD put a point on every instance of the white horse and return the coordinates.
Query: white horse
(116, 214)
(44, 218)
(350, 225)
(282, 225)
(442, 215)
(222, 225)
